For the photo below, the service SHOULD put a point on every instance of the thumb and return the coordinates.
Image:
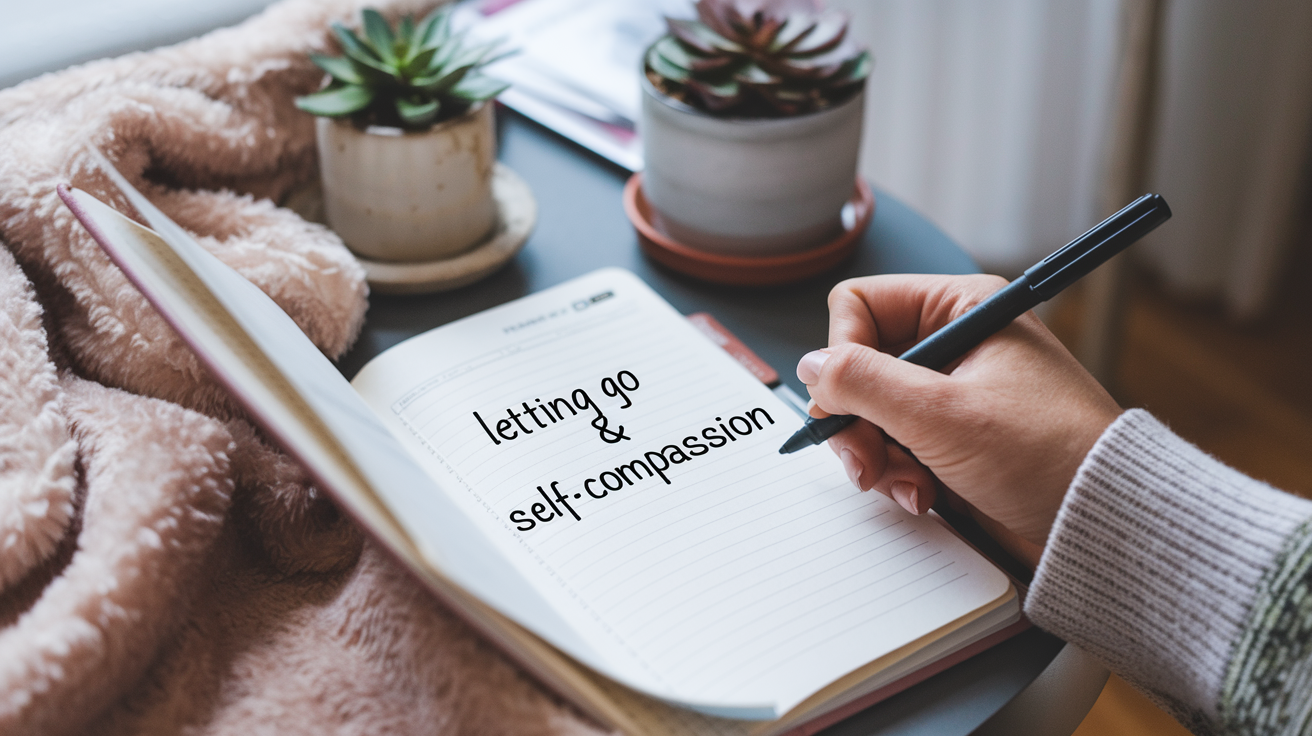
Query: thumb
(890, 393)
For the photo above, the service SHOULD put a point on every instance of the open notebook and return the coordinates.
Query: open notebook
(592, 482)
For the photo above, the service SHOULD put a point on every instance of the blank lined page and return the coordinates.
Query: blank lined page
(632, 469)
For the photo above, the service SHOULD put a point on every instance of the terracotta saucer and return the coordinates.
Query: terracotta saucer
(746, 270)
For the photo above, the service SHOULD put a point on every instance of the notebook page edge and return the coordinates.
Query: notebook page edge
(353, 491)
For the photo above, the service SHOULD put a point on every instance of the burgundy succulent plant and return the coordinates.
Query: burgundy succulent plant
(759, 58)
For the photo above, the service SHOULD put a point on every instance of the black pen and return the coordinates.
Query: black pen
(1040, 283)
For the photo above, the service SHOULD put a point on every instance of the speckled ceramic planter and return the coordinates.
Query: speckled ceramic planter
(749, 186)
(394, 195)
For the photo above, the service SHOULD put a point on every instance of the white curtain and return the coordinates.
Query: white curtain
(995, 119)
(991, 117)
(1230, 145)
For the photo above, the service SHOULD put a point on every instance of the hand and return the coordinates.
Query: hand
(1004, 429)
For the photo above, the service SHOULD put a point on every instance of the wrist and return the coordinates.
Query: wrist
(1083, 442)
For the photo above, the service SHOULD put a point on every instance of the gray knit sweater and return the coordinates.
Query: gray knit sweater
(1187, 578)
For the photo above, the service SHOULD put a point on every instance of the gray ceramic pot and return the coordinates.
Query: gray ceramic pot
(748, 186)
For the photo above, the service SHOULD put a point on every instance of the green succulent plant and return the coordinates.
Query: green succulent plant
(413, 76)
(758, 58)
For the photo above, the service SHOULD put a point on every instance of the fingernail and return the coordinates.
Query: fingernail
(852, 466)
(906, 494)
(808, 368)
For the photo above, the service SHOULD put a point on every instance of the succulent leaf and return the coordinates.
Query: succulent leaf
(798, 27)
(665, 69)
(763, 32)
(417, 111)
(710, 64)
(379, 35)
(339, 67)
(445, 56)
(672, 52)
(357, 51)
(759, 57)
(718, 17)
(337, 101)
(405, 31)
(821, 66)
(701, 38)
(829, 31)
(435, 29)
(853, 71)
(755, 75)
(443, 81)
(476, 87)
(414, 76)
(476, 55)
(717, 96)
(419, 64)
(490, 60)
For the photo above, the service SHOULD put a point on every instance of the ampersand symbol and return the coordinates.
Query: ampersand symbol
(609, 436)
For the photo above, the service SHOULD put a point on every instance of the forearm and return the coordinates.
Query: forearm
(1185, 577)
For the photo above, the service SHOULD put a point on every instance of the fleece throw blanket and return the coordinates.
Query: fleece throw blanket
(163, 569)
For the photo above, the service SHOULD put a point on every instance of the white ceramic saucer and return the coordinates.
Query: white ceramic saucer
(517, 213)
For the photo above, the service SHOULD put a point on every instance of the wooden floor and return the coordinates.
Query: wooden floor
(1241, 392)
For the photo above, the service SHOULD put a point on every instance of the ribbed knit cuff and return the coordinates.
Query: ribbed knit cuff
(1155, 559)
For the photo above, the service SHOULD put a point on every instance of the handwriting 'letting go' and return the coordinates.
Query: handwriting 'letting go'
(542, 414)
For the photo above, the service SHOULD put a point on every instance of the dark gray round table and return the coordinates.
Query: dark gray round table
(581, 226)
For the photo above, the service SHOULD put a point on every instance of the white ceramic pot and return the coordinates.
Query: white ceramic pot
(395, 195)
(749, 186)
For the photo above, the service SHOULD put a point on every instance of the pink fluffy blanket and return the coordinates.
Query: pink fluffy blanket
(162, 568)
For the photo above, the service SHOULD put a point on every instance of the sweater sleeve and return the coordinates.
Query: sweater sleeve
(1187, 578)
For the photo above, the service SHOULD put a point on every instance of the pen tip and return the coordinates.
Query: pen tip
(795, 443)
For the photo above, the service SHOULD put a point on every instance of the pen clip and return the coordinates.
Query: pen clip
(1104, 240)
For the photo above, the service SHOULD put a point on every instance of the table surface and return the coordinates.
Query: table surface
(581, 226)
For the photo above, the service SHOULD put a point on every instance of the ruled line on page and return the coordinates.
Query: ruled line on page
(654, 527)
(717, 522)
(734, 619)
(783, 653)
(641, 519)
(772, 649)
(555, 335)
(701, 646)
(710, 603)
(687, 582)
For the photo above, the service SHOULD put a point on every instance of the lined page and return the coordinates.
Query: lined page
(633, 468)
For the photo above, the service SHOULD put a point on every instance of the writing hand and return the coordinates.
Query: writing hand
(1004, 428)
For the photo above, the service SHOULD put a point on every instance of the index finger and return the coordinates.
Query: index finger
(895, 311)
